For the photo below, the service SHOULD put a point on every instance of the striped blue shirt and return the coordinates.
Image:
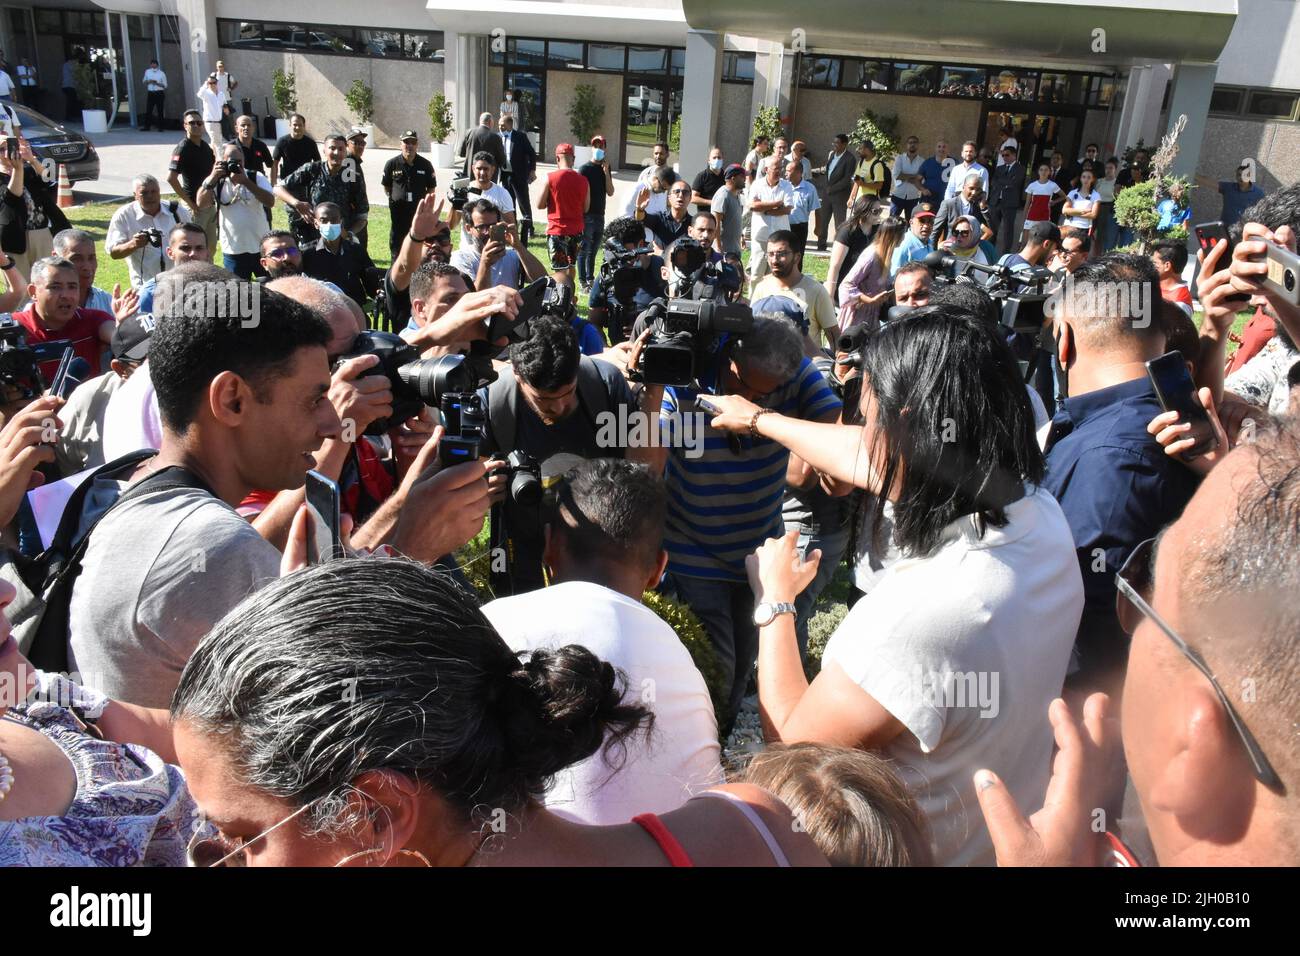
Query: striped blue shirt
(723, 505)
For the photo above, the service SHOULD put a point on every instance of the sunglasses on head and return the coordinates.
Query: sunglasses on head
(1136, 575)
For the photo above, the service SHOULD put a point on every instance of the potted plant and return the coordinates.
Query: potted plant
(585, 113)
(94, 119)
(360, 99)
(285, 94)
(440, 125)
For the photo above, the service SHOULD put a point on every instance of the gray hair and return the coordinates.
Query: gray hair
(41, 268)
(382, 664)
(318, 297)
(773, 348)
(484, 119)
(973, 178)
(143, 179)
(67, 238)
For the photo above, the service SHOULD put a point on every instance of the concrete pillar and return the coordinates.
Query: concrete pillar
(1193, 84)
(773, 77)
(700, 97)
(1140, 116)
(465, 79)
(197, 23)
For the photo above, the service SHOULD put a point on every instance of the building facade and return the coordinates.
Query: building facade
(694, 72)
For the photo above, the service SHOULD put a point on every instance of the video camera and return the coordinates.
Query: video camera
(20, 362)
(685, 334)
(689, 259)
(458, 193)
(622, 276)
(1018, 293)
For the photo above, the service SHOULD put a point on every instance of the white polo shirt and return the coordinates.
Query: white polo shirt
(143, 264)
(241, 219)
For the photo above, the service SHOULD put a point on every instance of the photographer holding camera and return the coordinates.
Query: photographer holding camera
(630, 278)
(557, 401)
(483, 185)
(489, 250)
(725, 498)
(241, 198)
(135, 233)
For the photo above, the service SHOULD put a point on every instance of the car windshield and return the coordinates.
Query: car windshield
(34, 124)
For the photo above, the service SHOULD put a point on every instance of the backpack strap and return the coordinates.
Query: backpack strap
(593, 397)
(503, 403)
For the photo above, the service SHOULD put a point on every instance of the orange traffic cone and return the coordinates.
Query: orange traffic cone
(65, 188)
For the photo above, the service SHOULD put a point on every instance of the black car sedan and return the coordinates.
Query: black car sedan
(53, 145)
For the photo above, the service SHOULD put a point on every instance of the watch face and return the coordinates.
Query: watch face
(763, 614)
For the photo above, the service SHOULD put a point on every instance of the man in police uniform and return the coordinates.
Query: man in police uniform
(407, 178)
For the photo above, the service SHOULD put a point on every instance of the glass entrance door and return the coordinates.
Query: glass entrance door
(1038, 131)
(652, 106)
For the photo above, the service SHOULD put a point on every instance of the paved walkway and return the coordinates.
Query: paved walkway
(124, 153)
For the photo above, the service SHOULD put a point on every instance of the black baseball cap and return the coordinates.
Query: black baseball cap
(409, 134)
(1045, 232)
(131, 338)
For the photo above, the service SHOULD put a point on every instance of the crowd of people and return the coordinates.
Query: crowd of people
(1070, 599)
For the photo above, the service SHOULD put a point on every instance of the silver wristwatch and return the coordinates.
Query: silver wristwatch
(766, 612)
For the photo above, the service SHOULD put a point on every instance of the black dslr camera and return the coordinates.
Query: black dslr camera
(231, 167)
(155, 237)
(515, 528)
(20, 362)
(458, 193)
(685, 333)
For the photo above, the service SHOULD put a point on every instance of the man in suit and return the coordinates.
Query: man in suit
(1006, 186)
(967, 201)
(838, 182)
(520, 171)
(483, 138)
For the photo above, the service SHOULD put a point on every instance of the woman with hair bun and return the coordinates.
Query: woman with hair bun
(363, 712)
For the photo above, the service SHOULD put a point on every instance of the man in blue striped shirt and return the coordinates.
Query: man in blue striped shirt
(724, 502)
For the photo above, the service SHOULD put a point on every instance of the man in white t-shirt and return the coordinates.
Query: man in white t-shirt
(604, 548)
(770, 201)
(907, 179)
(6, 87)
(240, 198)
(483, 169)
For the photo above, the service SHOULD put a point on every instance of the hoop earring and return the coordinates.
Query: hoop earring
(361, 853)
(418, 855)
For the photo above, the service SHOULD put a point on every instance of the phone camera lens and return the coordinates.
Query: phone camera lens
(1288, 280)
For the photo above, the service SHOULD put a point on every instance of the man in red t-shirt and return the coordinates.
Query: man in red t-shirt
(566, 197)
(55, 290)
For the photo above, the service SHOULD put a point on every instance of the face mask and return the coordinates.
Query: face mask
(715, 164)
(509, 97)
(331, 230)
(597, 154)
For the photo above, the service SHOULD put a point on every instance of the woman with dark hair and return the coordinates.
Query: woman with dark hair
(365, 712)
(956, 653)
(851, 238)
(868, 284)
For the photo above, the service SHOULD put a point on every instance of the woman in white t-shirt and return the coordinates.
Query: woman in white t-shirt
(962, 644)
(1082, 204)
(1038, 207)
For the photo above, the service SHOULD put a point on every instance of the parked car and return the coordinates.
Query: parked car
(50, 141)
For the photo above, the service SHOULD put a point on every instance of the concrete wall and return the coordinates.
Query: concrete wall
(560, 88)
(1261, 49)
(402, 88)
(734, 120)
(1275, 148)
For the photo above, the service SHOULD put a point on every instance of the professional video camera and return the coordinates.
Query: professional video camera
(1018, 293)
(458, 193)
(685, 335)
(20, 362)
(520, 511)
(621, 276)
(688, 260)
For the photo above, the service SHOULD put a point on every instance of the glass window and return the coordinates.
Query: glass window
(49, 21)
(916, 77)
(677, 61)
(563, 55)
(422, 46)
(605, 56)
(647, 59)
(1103, 90)
(1226, 100)
(819, 71)
(738, 67)
(140, 28)
(380, 43)
(1012, 84)
(865, 75)
(530, 53)
(170, 27)
(1271, 104)
(530, 92)
(962, 81)
(1053, 88)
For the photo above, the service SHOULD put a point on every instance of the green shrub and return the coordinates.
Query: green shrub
(820, 628)
(440, 118)
(284, 92)
(691, 633)
(675, 135)
(881, 130)
(767, 122)
(585, 113)
(360, 99)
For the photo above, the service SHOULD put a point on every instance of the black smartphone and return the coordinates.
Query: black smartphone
(498, 232)
(1177, 393)
(324, 524)
(1208, 235)
(11, 147)
(708, 406)
(62, 384)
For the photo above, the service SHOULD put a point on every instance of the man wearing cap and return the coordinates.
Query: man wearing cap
(520, 172)
(211, 103)
(408, 176)
(356, 149)
(566, 199)
(916, 244)
(600, 186)
(729, 211)
(81, 440)
(1238, 194)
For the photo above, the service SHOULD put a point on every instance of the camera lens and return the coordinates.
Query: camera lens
(1288, 280)
(525, 489)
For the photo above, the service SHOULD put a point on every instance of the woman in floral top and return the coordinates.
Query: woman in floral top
(69, 797)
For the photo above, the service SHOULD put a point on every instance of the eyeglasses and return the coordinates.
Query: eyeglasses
(1137, 574)
(441, 239)
(282, 252)
(961, 233)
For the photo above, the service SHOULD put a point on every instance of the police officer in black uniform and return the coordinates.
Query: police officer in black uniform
(407, 178)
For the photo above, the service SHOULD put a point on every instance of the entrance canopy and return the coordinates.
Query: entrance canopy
(1086, 34)
(645, 21)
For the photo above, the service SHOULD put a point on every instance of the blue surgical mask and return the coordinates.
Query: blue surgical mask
(715, 164)
(331, 230)
(597, 154)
